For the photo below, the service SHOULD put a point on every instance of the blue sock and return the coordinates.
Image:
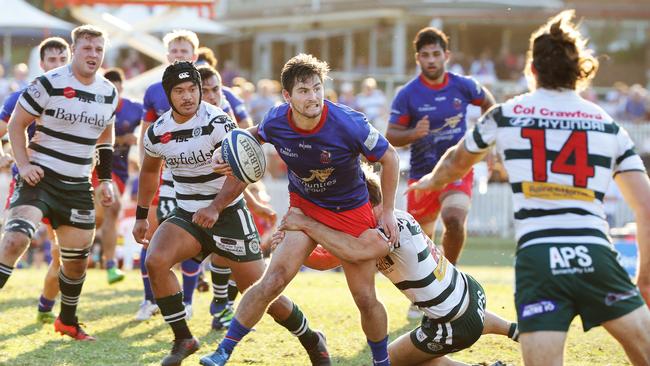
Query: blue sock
(45, 305)
(148, 293)
(191, 270)
(379, 352)
(110, 263)
(235, 333)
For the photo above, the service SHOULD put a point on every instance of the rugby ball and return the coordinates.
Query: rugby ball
(244, 154)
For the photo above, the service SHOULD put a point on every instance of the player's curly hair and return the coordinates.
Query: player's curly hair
(373, 185)
(300, 68)
(430, 35)
(558, 57)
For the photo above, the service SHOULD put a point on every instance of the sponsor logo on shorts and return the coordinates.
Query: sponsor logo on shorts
(236, 247)
(419, 335)
(434, 346)
(613, 298)
(570, 260)
(254, 246)
(537, 308)
(82, 216)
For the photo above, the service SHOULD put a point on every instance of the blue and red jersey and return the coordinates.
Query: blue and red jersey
(237, 104)
(155, 102)
(5, 114)
(127, 117)
(446, 105)
(324, 163)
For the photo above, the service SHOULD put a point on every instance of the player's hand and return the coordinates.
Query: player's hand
(266, 212)
(140, 230)
(32, 174)
(5, 160)
(219, 165)
(107, 193)
(206, 217)
(276, 239)
(389, 224)
(426, 183)
(422, 128)
(294, 220)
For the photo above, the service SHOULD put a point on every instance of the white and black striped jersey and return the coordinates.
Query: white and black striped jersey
(417, 269)
(560, 152)
(70, 116)
(187, 151)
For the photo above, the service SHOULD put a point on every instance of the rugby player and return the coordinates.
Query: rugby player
(74, 110)
(184, 138)
(560, 152)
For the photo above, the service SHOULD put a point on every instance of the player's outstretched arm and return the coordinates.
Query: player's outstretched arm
(369, 245)
(147, 187)
(635, 187)
(453, 165)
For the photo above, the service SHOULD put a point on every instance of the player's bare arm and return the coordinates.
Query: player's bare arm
(635, 187)
(389, 179)
(20, 120)
(147, 187)
(144, 126)
(488, 101)
(401, 135)
(453, 165)
(5, 159)
(106, 187)
(369, 245)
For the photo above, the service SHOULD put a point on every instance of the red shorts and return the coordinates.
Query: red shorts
(12, 188)
(353, 222)
(424, 206)
(121, 186)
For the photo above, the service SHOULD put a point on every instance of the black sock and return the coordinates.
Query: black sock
(5, 272)
(219, 277)
(513, 332)
(297, 324)
(173, 311)
(232, 291)
(70, 291)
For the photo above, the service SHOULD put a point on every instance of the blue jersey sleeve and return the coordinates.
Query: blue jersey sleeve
(148, 109)
(475, 92)
(371, 143)
(399, 111)
(237, 105)
(9, 105)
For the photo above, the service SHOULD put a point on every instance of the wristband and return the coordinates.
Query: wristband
(141, 213)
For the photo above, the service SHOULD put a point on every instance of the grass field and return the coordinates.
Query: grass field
(108, 312)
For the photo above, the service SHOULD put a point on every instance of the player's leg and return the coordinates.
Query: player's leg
(494, 324)
(190, 270)
(453, 213)
(148, 306)
(172, 244)
(220, 310)
(285, 264)
(543, 348)
(374, 321)
(74, 244)
(631, 331)
(51, 281)
(109, 237)
(402, 351)
(19, 228)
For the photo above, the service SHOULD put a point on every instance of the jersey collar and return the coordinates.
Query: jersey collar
(314, 130)
(433, 86)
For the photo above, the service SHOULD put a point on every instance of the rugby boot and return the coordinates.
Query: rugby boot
(45, 317)
(114, 275)
(318, 354)
(75, 331)
(181, 349)
(222, 320)
(218, 358)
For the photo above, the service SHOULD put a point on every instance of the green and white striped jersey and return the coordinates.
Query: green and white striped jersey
(561, 152)
(70, 116)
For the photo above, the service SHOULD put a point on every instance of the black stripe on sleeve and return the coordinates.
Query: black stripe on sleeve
(32, 103)
(626, 154)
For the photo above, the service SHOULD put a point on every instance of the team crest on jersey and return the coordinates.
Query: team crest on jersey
(166, 137)
(99, 99)
(69, 92)
(196, 132)
(325, 157)
(458, 104)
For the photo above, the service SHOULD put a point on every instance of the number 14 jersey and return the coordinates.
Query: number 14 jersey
(560, 152)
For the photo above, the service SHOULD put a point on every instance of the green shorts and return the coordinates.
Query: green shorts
(439, 339)
(234, 236)
(165, 208)
(62, 203)
(556, 282)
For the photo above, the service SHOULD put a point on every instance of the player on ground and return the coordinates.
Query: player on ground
(430, 114)
(321, 142)
(54, 52)
(453, 303)
(74, 110)
(560, 152)
(181, 45)
(185, 139)
(127, 118)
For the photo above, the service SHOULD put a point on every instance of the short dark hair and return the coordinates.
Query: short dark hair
(56, 43)
(559, 55)
(207, 55)
(207, 71)
(430, 35)
(300, 68)
(114, 75)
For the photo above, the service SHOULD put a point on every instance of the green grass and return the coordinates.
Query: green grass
(108, 312)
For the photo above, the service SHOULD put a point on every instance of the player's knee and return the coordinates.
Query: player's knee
(156, 263)
(366, 301)
(75, 268)
(14, 242)
(274, 283)
(453, 220)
